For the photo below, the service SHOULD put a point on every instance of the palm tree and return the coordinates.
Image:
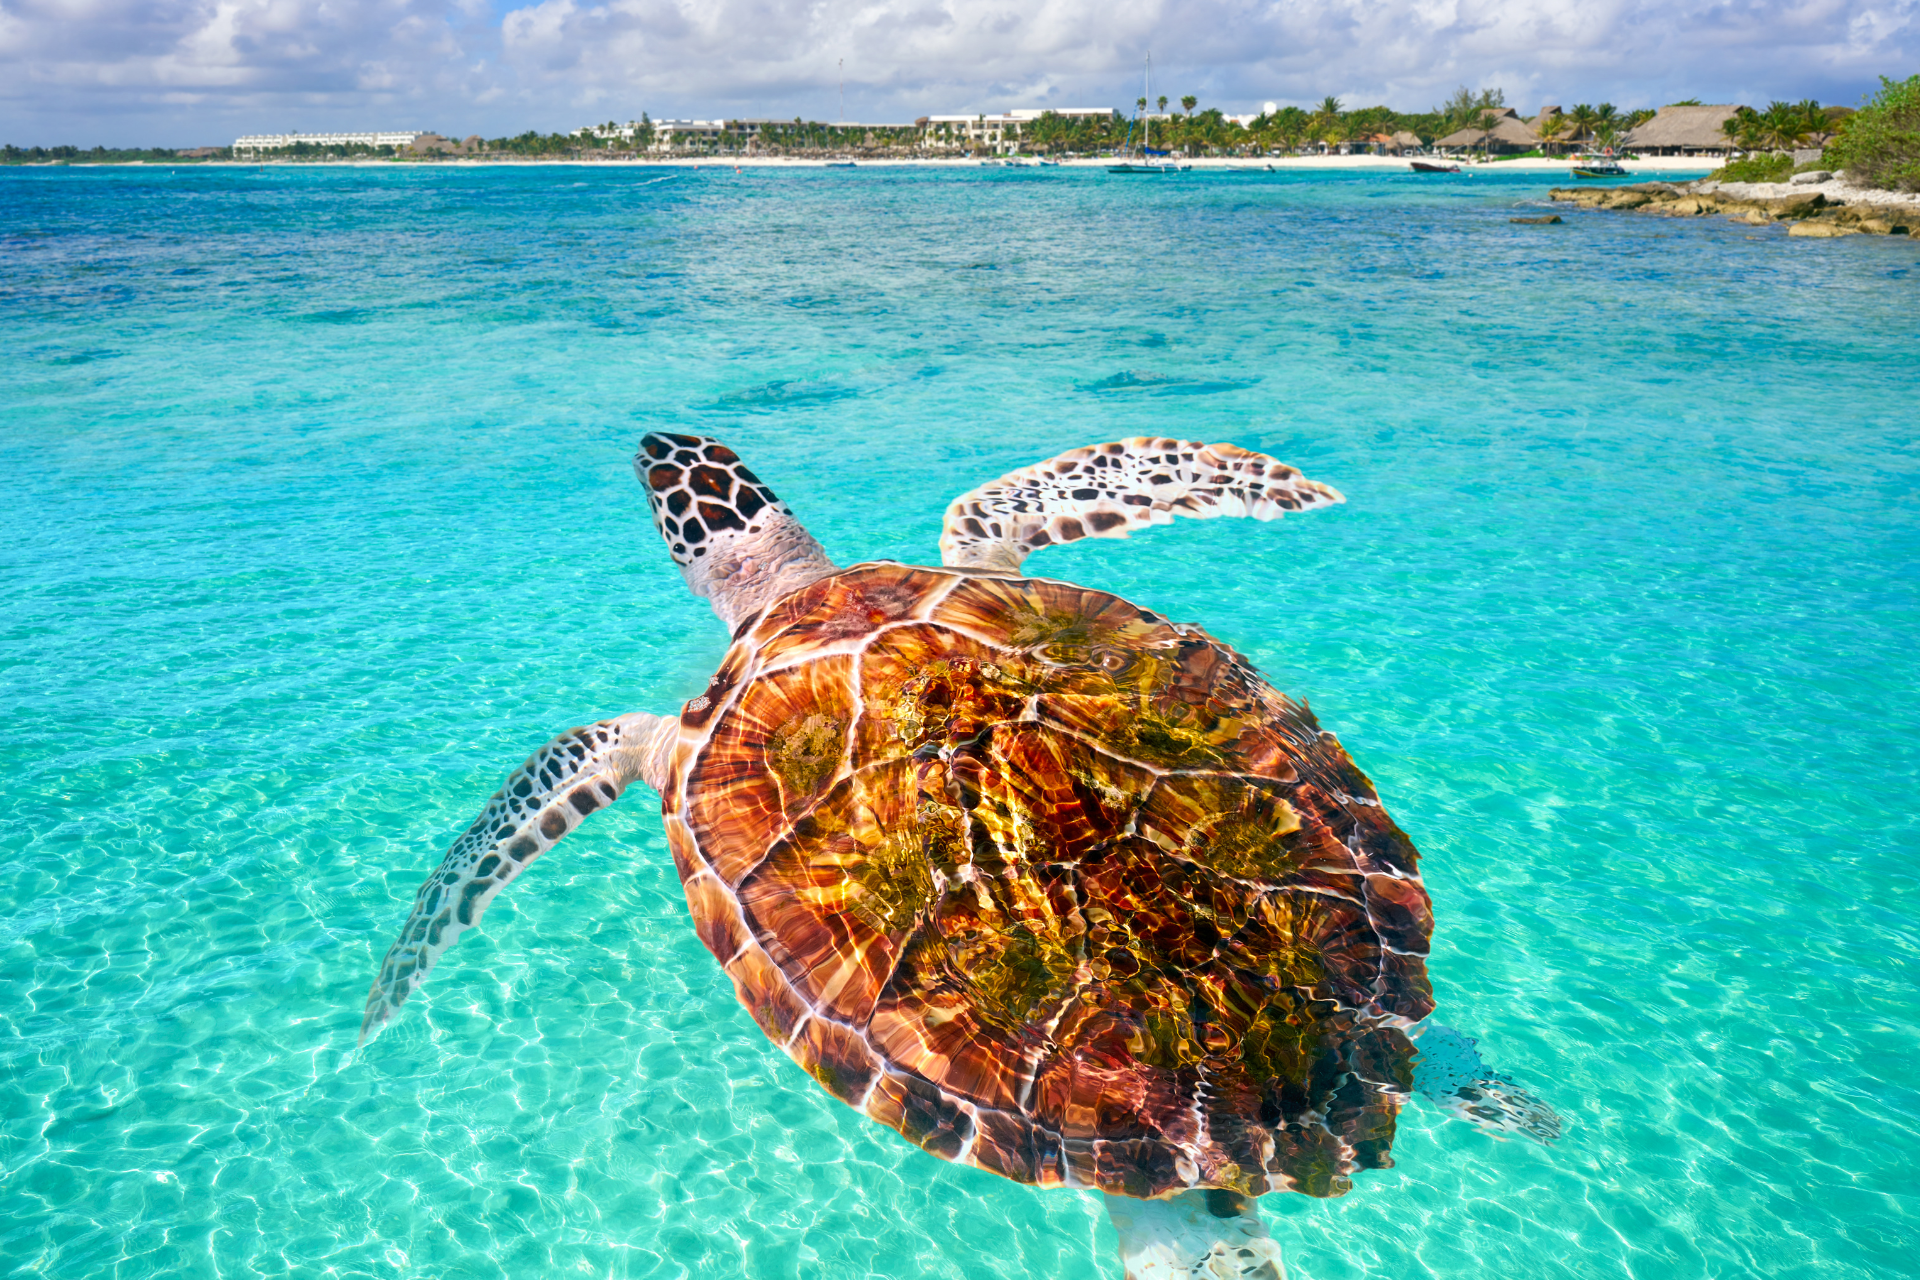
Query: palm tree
(1188, 103)
(1604, 120)
(1782, 125)
(1744, 129)
(1551, 127)
(1813, 117)
(1327, 124)
(1486, 122)
(1582, 118)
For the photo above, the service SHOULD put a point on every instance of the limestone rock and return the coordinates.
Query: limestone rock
(1822, 230)
(1810, 177)
(1793, 206)
(1549, 220)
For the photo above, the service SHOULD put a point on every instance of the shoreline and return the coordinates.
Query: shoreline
(1333, 164)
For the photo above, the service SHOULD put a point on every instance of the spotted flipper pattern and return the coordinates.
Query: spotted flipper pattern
(1110, 490)
(1213, 1234)
(578, 772)
(1449, 1072)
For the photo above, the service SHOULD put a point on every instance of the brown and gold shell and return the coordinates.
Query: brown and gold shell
(1052, 886)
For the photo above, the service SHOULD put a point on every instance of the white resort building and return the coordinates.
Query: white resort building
(275, 141)
(999, 132)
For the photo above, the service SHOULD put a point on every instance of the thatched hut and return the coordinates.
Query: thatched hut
(1682, 131)
(1391, 144)
(1510, 133)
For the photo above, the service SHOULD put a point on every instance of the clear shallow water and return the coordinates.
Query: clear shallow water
(320, 520)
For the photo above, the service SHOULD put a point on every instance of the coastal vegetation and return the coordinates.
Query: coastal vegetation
(1879, 146)
(1783, 125)
(109, 155)
(1876, 146)
(1764, 167)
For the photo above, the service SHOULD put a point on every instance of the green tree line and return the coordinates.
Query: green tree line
(101, 155)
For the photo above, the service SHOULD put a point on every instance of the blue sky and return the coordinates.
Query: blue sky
(186, 72)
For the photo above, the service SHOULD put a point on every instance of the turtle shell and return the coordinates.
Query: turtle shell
(1052, 886)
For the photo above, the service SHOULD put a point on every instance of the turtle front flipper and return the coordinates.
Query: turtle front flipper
(1450, 1073)
(548, 796)
(1109, 490)
(1211, 1234)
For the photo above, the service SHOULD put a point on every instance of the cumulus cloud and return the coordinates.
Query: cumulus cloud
(204, 69)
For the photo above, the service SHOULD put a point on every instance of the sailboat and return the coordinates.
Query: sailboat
(1145, 165)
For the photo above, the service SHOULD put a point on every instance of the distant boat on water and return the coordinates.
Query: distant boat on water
(1601, 166)
(1144, 165)
(1422, 166)
(839, 164)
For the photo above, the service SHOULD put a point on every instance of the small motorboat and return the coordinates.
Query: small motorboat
(1604, 165)
(839, 164)
(1423, 166)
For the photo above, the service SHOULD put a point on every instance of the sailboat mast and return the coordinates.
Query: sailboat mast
(1146, 112)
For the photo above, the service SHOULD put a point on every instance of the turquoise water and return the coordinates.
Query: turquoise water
(320, 520)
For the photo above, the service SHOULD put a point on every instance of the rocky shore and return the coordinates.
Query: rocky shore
(1824, 208)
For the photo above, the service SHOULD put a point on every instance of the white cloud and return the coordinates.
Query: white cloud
(182, 71)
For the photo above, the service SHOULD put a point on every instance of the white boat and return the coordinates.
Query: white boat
(1144, 165)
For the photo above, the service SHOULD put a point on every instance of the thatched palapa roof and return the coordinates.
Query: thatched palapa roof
(1509, 130)
(1683, 128)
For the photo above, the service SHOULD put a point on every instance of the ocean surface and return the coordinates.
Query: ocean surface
(319, 519)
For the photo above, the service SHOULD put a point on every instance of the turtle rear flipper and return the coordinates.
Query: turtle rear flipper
(1450, 1073)
(1210, 1234)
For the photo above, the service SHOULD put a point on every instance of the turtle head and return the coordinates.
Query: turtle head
(736, 544)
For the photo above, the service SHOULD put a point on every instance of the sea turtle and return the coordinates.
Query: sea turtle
(1051, 885)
